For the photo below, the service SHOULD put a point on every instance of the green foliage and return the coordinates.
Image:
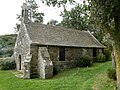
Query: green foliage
(101, 11)
(7, 40)
(107, 53)
(101, 57)
(107, 42)
(58, 3)
(7, 52)
(33, 14)
(112, 74)
(52, 22)
(91, 78)
(77, 18)
(7, 43)
(7, 63)
(106, 15)
(85, 61)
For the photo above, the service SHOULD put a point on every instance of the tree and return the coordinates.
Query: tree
(58, 3)
(106, 13)
(77, 18)
(52, 22)
(33, 13)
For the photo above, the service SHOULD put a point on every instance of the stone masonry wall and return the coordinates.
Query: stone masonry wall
(22, 47)
(71, 56)
(54, 53)
(34, 62)
(88, 52)
(45, 66)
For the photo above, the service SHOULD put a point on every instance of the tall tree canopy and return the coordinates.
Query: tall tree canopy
(106, 13)
(58, 3)
(34, 14)
(76, 18)
(52, 22)
(79, 18)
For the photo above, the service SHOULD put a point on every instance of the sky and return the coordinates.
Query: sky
(10, 8)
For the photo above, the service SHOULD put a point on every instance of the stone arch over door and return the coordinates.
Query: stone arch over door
(19, 58)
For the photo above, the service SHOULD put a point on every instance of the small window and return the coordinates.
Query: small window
(94, 52)
(61, 53)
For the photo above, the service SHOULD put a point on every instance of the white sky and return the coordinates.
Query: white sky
(9, 9)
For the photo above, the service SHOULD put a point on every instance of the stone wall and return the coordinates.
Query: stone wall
(54, 53)
(88, 52)
(45, 66)
(22, 47)
(71, 56)
(34, 61)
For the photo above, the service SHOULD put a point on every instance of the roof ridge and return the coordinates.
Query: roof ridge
(56, 26)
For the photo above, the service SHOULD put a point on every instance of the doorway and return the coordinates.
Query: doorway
(19, 62)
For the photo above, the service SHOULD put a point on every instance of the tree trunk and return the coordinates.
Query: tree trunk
(117, 59)
(113, 60)
(116, 38)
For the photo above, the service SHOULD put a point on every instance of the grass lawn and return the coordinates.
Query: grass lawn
(91, 78)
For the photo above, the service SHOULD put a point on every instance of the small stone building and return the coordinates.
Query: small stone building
(41, 47)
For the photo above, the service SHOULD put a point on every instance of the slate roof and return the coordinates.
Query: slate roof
(58, 36)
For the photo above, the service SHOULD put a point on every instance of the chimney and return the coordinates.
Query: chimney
(25, 13)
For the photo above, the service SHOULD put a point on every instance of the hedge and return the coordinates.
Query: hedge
(7, 63)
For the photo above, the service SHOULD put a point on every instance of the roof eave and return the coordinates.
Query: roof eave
(75, 46)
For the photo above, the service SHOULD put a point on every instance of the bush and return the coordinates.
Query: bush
(94, 59)
(112, 74)
(107, 53)
(7, 52)
(101, 57)
(85, 61)
(7, 63)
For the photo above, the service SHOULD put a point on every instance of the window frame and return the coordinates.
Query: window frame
(61, 53)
